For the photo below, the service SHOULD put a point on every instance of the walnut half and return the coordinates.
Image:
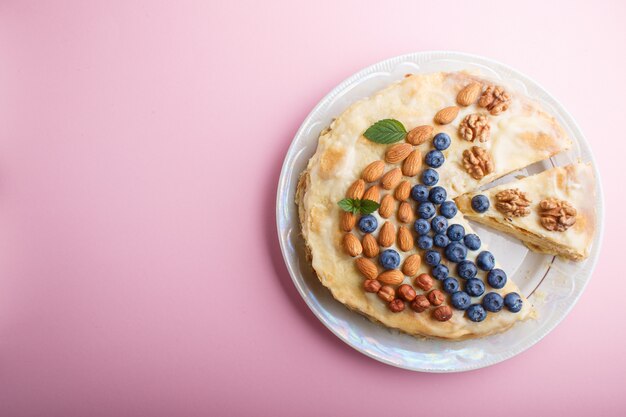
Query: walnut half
(557, 215)
(477, 162)
(475, 126)
(513, 203)
(495, 99)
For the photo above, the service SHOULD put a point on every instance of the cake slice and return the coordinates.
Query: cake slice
(551, 212)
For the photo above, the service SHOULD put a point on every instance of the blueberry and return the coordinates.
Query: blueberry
(389, 259)
(474, 287)
(425, 242)
(419, 193)
(439, 224)
(368, 223)
(441, 141)
(448, 209)
(421, 226)
(513, 302)
(485, 260)
(455, 252)
(461, 300)
(435, 159)
(450, 285)
(472, 241)
(441, 240)
(456, 232)
(496, 278)
(480, 203)
(476, 313)
(466, 269)
(437, 195)
(440, 272)
(426, 210)
(430, 177)
(492, 301)
(432, 258)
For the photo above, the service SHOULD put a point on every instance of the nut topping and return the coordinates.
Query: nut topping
(475, 126)
(370, 246)
(371, 285)
(403, 190)
(398, 152)
(406, 292)
(405, 239)
(367, 268)
(412, 163)
(373, 171)
(420, 303)
(387, 205)
(411, 265)
(442, 313)
(391, 179)
(396, 305)
(352, 245)
(356, 190)
(372, 193)
(386, 293)
(513, 203)
(446, 115)
(424, 281)
(557, 215)
(405, 213)
(477, 162)
(469, 94)
(348, 221)
(419, 135)
(436, 297)
(391, 277)
(495, 99)
(387, 235)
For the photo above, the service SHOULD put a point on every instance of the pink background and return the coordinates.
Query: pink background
(140, 147)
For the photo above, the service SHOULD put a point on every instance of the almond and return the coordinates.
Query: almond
(351, 245)
(387, 205)
(372, 193)
(405, 213)
(370, 246)
(405, 239)
(348, 221)
(419, 135)
(403, 190)
(446, 115)
(367, 268)
(387, 235)
(412, 163)
(391, 179)
(356, 190)
(398, 153)
(373, 171)
(411, 265)
(391, 277)
(469, 94)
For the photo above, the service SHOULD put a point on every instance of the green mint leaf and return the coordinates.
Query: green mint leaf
(349, 204)
(358, 206)
(386, 131)
(369, 206)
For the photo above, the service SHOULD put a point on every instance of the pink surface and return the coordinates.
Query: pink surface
(140, 147)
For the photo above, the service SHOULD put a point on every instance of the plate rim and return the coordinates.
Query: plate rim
(414, 57)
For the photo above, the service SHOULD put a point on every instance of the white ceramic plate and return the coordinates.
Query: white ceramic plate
(551, 284)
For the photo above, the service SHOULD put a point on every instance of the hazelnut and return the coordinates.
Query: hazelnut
(424, 281)
(436, 297)
(396, 305)
(442, 313)
(386, 293)
(420, 303)
(371, 285)
(406, 292)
